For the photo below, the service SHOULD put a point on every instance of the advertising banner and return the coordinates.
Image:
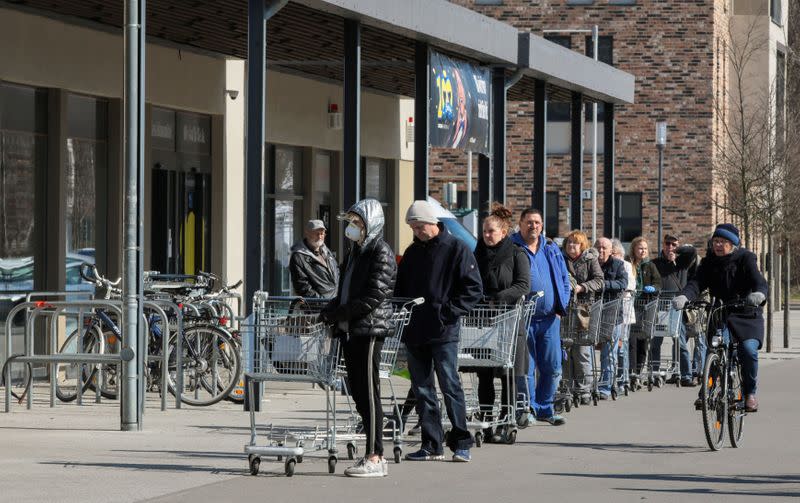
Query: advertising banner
(459, 112)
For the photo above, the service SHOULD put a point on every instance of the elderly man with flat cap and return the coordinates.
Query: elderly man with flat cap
(312, 266)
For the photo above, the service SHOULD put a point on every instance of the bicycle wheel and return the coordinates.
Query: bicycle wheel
(67, 373)
(715, 402)
(736, 411)
(109, 374)
(20, 380)
(210, 365)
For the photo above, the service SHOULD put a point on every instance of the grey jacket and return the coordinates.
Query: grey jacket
(585, 271)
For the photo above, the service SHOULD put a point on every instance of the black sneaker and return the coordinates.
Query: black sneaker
(687, 383)
(698, 404)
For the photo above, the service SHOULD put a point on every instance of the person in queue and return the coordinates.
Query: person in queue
(549, 275)
(586, 280)
(615, 281)
(361, 318)
(443, 270)
(648, 284)
(505, 274)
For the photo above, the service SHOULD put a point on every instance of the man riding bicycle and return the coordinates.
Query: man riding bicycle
(730, 273)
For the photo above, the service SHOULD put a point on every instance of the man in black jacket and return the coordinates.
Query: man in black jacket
(312, 266)
(443, 270)
(677, 264)
(615, 281)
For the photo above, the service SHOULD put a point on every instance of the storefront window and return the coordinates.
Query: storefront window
(86, 158)
(23, 152)
(285, 207)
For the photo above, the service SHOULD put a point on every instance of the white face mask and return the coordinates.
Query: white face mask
(352, 232)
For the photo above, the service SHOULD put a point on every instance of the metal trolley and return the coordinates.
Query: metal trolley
(292, 346)
(645, 306)
(610, 319)
(393, 423)
(488, 340)
(663, 322)
(580, 327)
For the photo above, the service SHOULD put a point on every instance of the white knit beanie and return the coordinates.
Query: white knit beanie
(421, 211)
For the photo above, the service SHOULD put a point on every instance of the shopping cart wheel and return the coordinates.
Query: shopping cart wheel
(677, 383)
(567, 405)
(626, 390)
(288, 467)
(659, 382)
(352, 450)
(511, 437)
(299, 459)
(255, 464)
(594, 400)
(332, 464)
(478, 439)
(398, 454)
(650, 385)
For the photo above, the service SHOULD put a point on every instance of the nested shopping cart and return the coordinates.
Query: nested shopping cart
(663, 323)
(610, 319)
(580, 327)
(640, 332)
(488, 340)
(292, 346)
(393, 423)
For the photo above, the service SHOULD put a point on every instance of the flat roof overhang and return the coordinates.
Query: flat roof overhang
(306, 37)
(572, 71)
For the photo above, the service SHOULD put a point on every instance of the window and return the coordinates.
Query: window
(552, 211)
(488, 2)
(23, 153)
(629, 215)
(775, 13)
(580, 2)
(562, 40)
(605, 48)
(780, 98)
(86, 161)
(622, 2)
(375, 176)
(285, 207)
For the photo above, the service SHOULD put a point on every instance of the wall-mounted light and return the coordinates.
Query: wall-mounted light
(232, 93)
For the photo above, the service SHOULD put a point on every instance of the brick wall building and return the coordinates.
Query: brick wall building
(673, 50)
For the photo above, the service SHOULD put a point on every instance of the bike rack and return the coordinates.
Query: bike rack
(53, 310)
(158, 306)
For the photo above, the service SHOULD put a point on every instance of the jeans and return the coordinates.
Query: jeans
(748, 361)
(608, 355)
(544, 346)
(699, 360)
(623, 369)
(578, 370)
(441, 359)
(685, 358)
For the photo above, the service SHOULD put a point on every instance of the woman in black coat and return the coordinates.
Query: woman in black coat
(361, 318)
(505, 273)
(731, 274)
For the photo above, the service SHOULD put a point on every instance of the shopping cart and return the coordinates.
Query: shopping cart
(610, 319)
(292, 346)
(639, 334)
(393, 423)
(488, 339)
(666, 324)
(580, 327)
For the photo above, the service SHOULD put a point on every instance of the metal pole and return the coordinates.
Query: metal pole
(469, 179)
(786, 292)
(660, 191)
(134, 169)
(352, 113)
(595, 38)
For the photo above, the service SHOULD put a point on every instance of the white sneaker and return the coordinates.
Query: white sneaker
(365, 468)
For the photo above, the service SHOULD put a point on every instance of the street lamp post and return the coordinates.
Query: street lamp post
(661, 142)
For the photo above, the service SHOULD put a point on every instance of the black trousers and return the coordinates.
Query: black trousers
(362, 356)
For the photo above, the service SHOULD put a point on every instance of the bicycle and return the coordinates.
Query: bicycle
(210, 356)
(721, 389)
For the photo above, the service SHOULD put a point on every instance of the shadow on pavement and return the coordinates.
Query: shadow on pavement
(624, 447)
(715, 492)
(700, 479)
(153, 467)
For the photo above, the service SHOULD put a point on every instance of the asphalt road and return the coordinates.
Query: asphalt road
(649, 446)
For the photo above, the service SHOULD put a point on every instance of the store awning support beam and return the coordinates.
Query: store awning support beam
(352, 113)
(576, 153)
(539, 146)
(422, 65)
(609, 194)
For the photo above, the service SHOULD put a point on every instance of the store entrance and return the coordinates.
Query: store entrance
(181, 206)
